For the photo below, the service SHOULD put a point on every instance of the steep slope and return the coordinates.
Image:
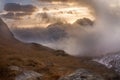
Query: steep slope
(5, 34)
(8, 41)
(51, 63)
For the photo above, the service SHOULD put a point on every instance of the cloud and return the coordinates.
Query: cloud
(14, 7)
(46, 18)
(65, 1)
(76, 1)
(22, 14)
(8, 15)
(11, 15)
(18, 11)
(86, 3)
(52, 33)
(63, 36)
(102, 38)
(56, 0)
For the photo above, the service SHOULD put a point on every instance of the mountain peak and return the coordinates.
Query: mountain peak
(4, 31)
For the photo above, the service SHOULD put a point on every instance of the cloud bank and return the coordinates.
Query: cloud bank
(73, 38)
(18, 11)
(79, 38)
(19, 8)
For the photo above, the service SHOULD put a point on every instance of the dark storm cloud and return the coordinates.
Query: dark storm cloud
(18, 7)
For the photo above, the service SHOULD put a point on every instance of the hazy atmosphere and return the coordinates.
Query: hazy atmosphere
(59, 39)
(57, 24)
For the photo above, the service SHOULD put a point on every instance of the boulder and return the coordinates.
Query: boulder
(23, 74)
(82, 74)
(28, 75)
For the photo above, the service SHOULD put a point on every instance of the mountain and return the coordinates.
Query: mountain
(20, 61)
(53, 33)
(84, 22)
(111, 61)
(4, 31)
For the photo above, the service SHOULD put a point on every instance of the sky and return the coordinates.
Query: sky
(2, 2)
(47, 13)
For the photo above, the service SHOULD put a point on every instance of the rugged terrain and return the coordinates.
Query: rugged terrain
(111, 60)
(16, 57)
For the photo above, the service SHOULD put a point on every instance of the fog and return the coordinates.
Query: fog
(107, 25)
(81, 38)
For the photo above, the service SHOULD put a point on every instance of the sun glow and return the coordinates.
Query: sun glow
(52, 12)
(68, 14)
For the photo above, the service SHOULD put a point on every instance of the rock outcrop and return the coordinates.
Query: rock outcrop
(5, 33)
(82, 74)
(111, 61)
(24, 74)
